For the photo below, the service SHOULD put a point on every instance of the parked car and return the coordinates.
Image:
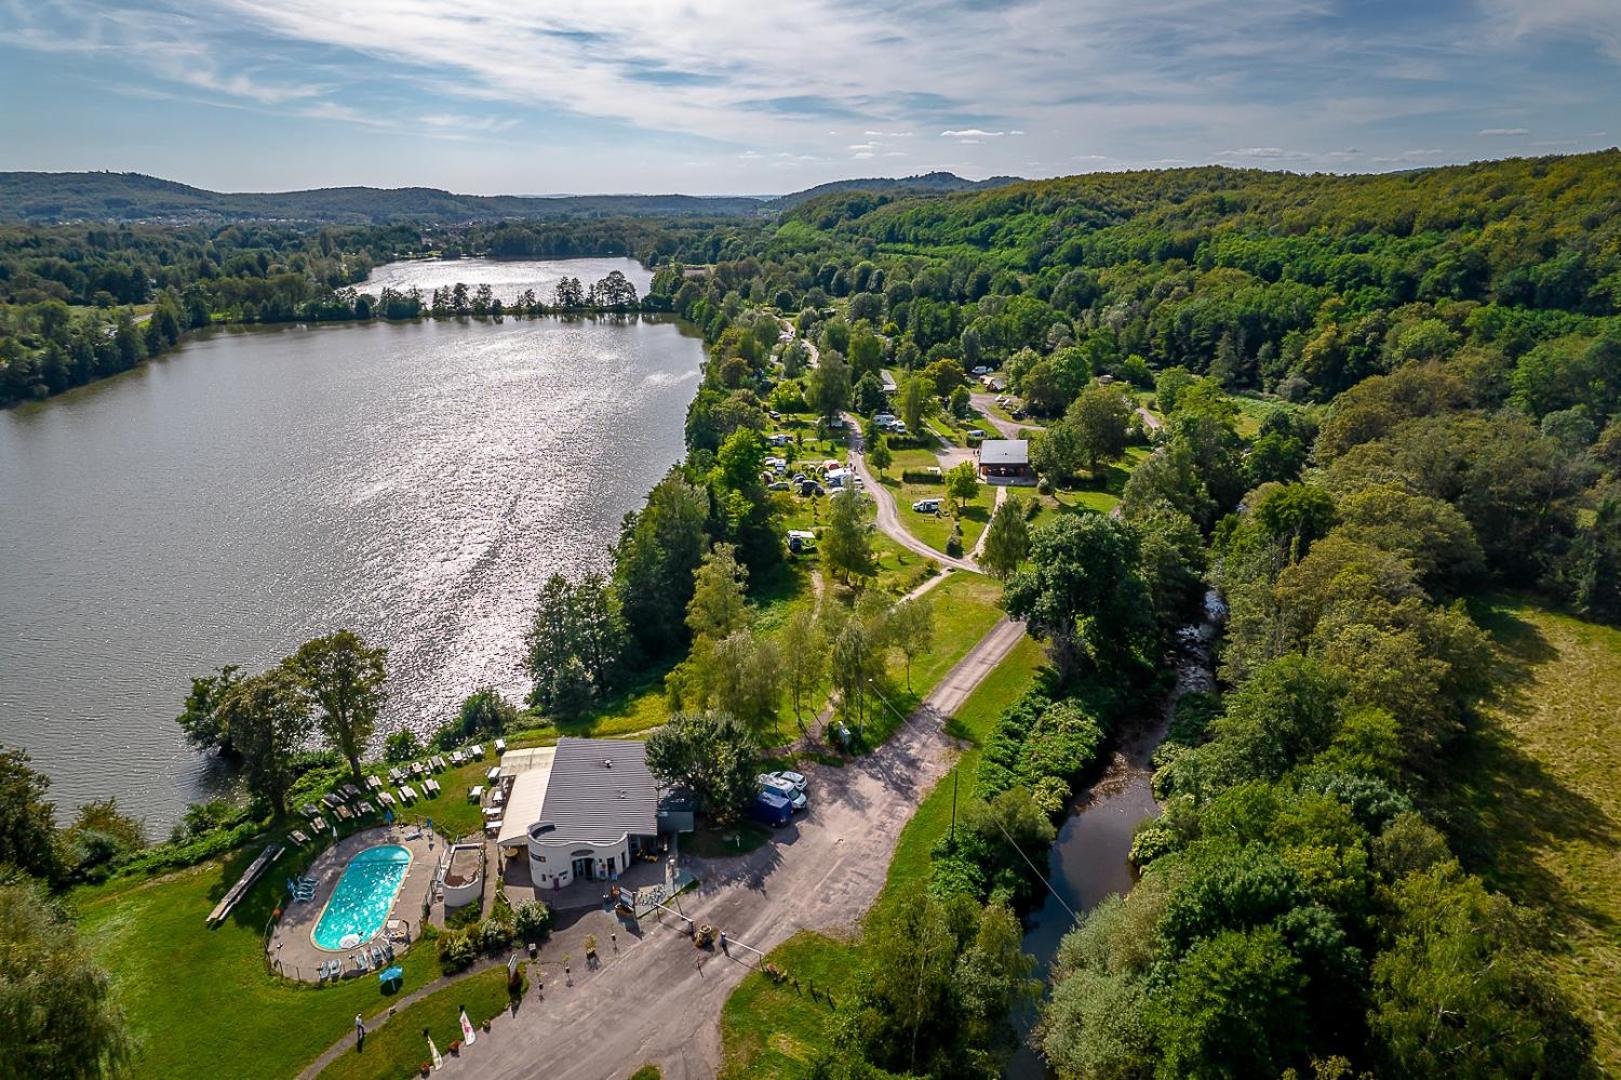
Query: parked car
(1017, 414)
(980, 369)
(770, 785)
(788, 776)
(975, 433)
(778, 485)
(927, 506)
(810, 489)
(772, 810)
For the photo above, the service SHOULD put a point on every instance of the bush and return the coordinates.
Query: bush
(456, 951)
(532, 920)
(403, 745)
(954, 542)
(493, 935)
(1044, 486)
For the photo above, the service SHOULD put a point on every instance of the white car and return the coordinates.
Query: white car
(980, 370)
(788, 776)
(770, 783)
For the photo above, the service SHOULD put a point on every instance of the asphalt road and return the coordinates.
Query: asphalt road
(659, 999)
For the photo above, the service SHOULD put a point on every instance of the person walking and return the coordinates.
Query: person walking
(360, 1030)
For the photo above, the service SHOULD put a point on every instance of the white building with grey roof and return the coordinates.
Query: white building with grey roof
(581, 812)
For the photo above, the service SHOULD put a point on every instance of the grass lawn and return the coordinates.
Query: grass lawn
(900, 570)
(398, 1048)
(1539, 788)
(965, 608)
(196, 997)
(909, 871)
(934, 529)
(775, 1029)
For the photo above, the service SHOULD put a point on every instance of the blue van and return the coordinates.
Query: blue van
(772, 810)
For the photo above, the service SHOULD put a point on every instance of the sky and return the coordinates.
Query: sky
(766, 96)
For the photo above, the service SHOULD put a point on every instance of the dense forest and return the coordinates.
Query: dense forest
(1443, 351)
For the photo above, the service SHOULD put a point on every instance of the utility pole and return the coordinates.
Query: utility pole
(953, 840)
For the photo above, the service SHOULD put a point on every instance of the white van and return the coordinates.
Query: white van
(927, 506)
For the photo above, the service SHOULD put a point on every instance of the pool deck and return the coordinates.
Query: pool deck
(291, 948)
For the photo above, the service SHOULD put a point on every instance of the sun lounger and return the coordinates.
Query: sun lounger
(377, 957)
(299, 837)
(319, 824)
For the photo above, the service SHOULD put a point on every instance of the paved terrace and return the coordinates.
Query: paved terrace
(291, 947)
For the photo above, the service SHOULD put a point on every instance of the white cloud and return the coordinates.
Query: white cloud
(972, 133)
(862, 146)
(1502, 133)
(862, 156)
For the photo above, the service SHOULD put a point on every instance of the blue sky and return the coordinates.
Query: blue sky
(755, 96)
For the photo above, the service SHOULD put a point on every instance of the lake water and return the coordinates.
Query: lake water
(505, 279)
(415, 482)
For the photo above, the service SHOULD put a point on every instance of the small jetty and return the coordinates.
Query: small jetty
(269, 855)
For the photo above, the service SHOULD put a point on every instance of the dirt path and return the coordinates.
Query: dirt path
(889, 518)
(659, 999)
(1010, 429)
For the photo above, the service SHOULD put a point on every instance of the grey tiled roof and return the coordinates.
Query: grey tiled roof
(600, 790)
(1004, 452)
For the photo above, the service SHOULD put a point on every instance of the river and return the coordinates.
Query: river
(415, 482)
(1089, 861)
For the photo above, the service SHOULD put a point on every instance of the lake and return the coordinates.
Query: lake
(415, 482)
(505, 279)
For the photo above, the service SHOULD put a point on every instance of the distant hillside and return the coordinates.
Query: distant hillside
(933, 183)
(44, 198)
(98, 196)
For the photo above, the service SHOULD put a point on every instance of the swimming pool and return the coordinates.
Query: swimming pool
(365, 893)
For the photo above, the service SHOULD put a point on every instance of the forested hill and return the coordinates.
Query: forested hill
(934, 183)
(104, 196)
(44, 198)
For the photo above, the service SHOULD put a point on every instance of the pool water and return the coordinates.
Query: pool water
(365, 894)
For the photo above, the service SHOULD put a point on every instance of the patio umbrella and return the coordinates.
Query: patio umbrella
(393, 974)
(348, 941)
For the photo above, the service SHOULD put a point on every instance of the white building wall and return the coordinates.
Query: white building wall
(551, 866)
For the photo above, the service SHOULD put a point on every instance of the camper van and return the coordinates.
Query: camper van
(927, 506)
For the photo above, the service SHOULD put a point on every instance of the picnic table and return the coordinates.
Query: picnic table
(500, 746)
(438, 762)
(396, 777)
(318, 823)
(409, 792)
(432, 785)
(299, 837)
(351, 791)
(456, 757)
(475, 793)
(374, 782)
(385, 798)
(364, 807)
(477, 750)
(343, 812)
(494, 774)
(331, 800)
(308, 810)
(491, 812)
(416, 768)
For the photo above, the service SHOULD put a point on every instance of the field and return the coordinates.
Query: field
(774, 1030)
(1540, 795)
(933, 529)
(398, 1048)
(196, 997)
